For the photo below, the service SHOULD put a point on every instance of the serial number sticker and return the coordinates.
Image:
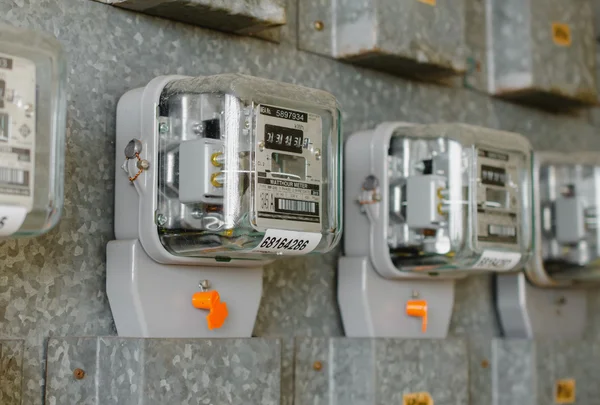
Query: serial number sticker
(282, 242)
(561, 34)
(417, 398)
(496, 260)
(565, 392)
(11, 219)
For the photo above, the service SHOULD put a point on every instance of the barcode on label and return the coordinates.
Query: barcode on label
(14, 176)
(296, 206)
(502, 230)
(498, 261)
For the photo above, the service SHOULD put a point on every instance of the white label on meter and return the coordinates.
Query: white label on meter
(497, 260)
(17, 130)
(289, 169)
(11, 219)
(278, 241)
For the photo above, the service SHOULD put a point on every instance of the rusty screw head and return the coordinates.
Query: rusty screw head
(78, 373)
(485, 364)
(319, 25)
(317, 366)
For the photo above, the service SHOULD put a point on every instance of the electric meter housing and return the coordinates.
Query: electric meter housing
(438, 199)
(239, 168)
(32, 132)
(217, 176)
(567, 205)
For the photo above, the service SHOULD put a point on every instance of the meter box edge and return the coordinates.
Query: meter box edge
(32, 131)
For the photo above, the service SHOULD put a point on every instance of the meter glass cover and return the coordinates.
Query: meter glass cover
(247, 167)
(32, 132)
(568, 202)
(458, 199)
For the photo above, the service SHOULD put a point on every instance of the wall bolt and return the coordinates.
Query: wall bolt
(319, 25)
(317, 366)
(79, 374)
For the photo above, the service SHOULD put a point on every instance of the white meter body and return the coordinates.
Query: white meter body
(567, 205)
(424, 203)
(32, 132)
(224, 171)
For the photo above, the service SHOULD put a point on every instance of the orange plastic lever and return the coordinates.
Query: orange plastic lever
(212, 301)
(418, 308)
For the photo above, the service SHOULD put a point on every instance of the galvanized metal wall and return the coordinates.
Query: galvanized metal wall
(53, 286)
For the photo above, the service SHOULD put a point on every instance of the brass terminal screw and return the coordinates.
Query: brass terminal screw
(79, 374)
(317, 366)
(485, 364)
(319, 25)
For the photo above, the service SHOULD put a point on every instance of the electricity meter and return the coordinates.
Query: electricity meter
(213, 172)
(428, 202)
(567, 205)
(32, 132)
(566, 198)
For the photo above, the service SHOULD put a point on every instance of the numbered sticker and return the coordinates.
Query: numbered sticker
(277, 241)
(565, 392)
(11, 219)
(497, 261)
(561, 34)
(417, 398)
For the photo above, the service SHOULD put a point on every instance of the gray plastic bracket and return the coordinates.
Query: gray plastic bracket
(373, 306)
(530, 312)
(149, 299)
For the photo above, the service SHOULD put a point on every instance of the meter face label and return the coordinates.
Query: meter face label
(498, 198)
(289, 169)
(17, 131)
(278, 241)
(497, 261)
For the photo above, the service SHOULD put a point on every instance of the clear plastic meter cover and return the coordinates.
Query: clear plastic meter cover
(247, 166)
(568, 203)
(32, 131)
(459, 198)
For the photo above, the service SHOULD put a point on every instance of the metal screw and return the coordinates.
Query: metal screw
(317, 366)
(143, 164)
(319, 25)
(163, 128)
(247, 124)
(198, 128)
(204, 285)
(485, 364)
(415, 294)
(318, 154)
(161, 219)
(261, 146)
(79, 374)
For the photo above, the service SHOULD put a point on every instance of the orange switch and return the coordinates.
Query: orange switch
(418, 308)
(217, 310)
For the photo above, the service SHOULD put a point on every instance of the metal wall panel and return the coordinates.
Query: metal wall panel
(109, 370)
(421, 38)
(11, 371)
(237, 16)
(542, 52)
(380, 371)
(519, 371)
